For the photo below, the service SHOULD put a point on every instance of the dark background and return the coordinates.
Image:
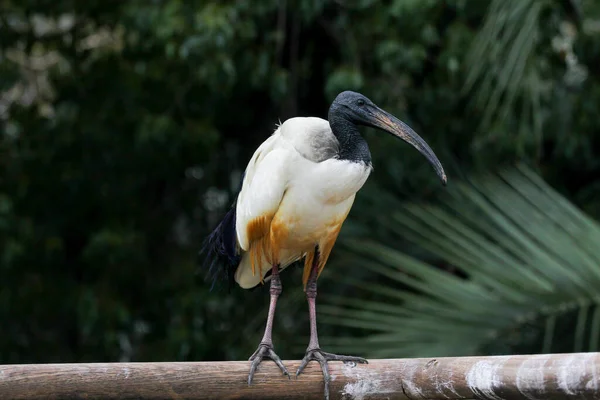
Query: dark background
(125, 127)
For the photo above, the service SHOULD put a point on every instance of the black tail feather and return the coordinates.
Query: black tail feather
(220, 252)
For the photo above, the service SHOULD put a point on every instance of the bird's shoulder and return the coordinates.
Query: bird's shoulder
(311, 137)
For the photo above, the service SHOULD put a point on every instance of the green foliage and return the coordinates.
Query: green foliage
(527, 263)
(503, 63)
(125, 127)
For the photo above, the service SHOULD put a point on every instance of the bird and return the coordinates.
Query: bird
(296, 193)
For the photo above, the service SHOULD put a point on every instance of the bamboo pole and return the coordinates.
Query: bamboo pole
(552, 376)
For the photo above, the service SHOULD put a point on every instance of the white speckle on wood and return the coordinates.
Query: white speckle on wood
(574, 370)
(360, 389)
(590, 359)
(530, 376)
(408, 381)
(569, 373)
(124, 373)
(440, 385)
(444, 381)
(440, 379)
(364, 383)
(348, 369)
(483, 378)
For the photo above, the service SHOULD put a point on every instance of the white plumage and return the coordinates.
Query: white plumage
(295, 181)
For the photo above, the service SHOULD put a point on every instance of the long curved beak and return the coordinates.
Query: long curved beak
(385, 121)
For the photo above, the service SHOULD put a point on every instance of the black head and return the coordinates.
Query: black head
(360, 110)
(353, 106)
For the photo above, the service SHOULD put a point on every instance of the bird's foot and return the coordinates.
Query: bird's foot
(265, 350)
(323, 357)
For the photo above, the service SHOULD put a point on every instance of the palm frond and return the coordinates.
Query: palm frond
(529, 265)
(502, 71)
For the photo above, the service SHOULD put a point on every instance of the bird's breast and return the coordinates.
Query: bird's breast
(339, 179)
(317, 201)
(330, 182)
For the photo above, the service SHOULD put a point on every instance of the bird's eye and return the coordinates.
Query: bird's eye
(360, 102)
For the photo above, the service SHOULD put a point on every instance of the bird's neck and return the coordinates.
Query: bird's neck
(353, 147)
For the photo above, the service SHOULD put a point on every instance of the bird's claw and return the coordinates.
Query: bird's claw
(323, 357)
(264, 350)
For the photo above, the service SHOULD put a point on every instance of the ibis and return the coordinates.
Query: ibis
(296, 192)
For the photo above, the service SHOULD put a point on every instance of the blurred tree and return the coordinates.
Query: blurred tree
(126, 126)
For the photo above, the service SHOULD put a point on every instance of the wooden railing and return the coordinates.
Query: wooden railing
(552, 376)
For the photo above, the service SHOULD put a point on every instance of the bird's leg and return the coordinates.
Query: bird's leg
(313, 351)
(265, 348)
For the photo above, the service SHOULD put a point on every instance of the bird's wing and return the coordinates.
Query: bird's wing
(264, 185)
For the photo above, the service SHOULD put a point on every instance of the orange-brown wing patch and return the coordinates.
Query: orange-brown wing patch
(265, 235)
(258, 231)
(325, 247)
(308, 260)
